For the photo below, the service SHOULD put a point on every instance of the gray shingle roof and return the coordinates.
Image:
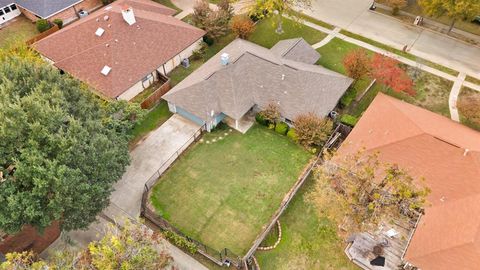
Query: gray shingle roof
(258, 76)
(296, 50)
(46, 8)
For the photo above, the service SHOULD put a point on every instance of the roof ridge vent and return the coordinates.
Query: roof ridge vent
(99, 32)
(105, 70)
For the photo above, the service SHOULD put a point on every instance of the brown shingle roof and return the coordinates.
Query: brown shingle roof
(131, 51)
(431, 146)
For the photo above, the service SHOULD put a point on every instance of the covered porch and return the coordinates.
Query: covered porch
(243, 124)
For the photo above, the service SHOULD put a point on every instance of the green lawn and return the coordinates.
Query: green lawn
(308, 241)
(223, 192)
(432, 91)
(266, 36)
(472, 80)
(18, 30)
(154, 118)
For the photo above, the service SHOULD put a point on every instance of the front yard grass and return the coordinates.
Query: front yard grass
(266, 36)
(19, 29)
(308, 241)
(223, 192)
(432, 91)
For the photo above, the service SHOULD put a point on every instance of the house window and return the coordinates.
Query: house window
(1, 12)
(7, 9)
(13, 7)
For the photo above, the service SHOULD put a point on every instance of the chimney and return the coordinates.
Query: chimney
(127, 14)
(225, 59)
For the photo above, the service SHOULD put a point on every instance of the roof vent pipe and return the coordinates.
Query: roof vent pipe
(224, 59)
(127, 14)
(466, 152)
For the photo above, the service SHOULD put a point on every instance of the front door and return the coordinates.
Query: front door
(8, 12)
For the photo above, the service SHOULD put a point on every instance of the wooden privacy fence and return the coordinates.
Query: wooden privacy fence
(153, 98)
(43, 35)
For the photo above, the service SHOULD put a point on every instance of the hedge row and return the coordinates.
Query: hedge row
(280, 127)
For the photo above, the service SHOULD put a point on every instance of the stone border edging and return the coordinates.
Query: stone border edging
(279, 226)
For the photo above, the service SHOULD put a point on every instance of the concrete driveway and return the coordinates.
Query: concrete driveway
(158, 148)
(354, 16)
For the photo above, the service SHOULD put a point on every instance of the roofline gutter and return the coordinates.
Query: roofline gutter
(411, 235)
(46, 17)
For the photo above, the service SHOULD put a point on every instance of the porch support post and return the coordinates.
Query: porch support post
(236, 124)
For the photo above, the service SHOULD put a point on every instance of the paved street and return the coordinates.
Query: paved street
(354, 16)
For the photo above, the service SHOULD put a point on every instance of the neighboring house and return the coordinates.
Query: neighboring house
(121, 49)
(66, 10)
(447, 155)
(244, 76)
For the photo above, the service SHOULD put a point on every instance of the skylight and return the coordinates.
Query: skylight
(105, 70)
(99, 32)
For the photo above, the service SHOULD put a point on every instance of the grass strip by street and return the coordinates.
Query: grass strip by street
(307, 18)
(223, 192)
(400, 52)
(472, 80)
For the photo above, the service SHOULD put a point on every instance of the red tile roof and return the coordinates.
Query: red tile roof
(131, 51)
(447, 155)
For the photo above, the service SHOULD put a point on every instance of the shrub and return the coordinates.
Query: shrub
(311, 130)
(59, 23)
(243, 26)
(349, 120)
(43, 25)
(469, 106)
(281, 128)
(271, 113)
(208, 40)
(348, 97)
(396, 5)
(292, 134)
(271, 126)
(180, 241)
(259, 118)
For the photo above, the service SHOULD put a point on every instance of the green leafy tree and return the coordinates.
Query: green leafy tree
(312, 130)
(358, 191)
(128, 248)
(278, 8)
(61, 148)
(214, 22)
(464, 10)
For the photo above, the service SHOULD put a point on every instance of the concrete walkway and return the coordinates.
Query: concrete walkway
(328, 38)
(150, 158)
(453, 97)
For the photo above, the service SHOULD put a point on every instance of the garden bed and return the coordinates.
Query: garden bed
(471, 117)
(225, 188)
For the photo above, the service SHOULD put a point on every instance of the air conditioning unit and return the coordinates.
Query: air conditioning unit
(185, 62)
(83, 13)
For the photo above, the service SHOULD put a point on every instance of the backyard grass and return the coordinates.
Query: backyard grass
(223, 192)
(266, 36)
(154, 118)
(469, 94)
(400, 52)
(18, 30)
(308, 241)
(432, 91)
